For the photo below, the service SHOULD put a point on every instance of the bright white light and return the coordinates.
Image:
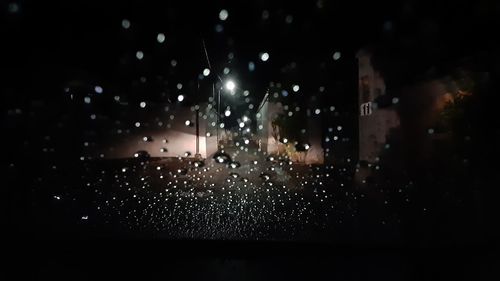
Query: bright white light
(180, 97)
(339, 128)
(306, 146)
(139, 55)
(98, 89)
(317, 111)
(187, 122)
(247, 141)
(295, 88)
(285, 140)
(137, 124)
(142, 104)
(179, 86)
(86, 99)
(206, 72)
(223, 14)
(227, 113)
(245, 119)
(230, 85)
(264, 56)
(160, 37)
(336, 55)
(242, 124)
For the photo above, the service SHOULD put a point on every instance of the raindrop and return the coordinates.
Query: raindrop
(206, 72)
(295, 88)
(223, 15)
(139, 55)
(180, 98)
(265, 14)
(142, 104)
(160, 38)
(98, 89)
(219, 28)
(336, 56)
(125, 23)
(234, 164)
(141, 154)
(264, 56)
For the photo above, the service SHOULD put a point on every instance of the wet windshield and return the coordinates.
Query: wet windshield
(316, 121)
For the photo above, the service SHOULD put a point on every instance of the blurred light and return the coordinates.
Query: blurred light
(219, 28)
(180, 97)
(226, 70)
(395, 100)
(336, 55)
(306, 146)
(230, 85)
(98, 89)
(86, 99)
(242, 124)
(295, 88)
(339, 128)
(284, 93)
(265, 14)
(173, 63)
(187, 122)
(142, 104)
(317, 111)
(125, 23)
(137, 124)
(264, 56)
(160, 37)
(179, 86)
(139, 55)
(285, 140)
(223, 14)
(227, 113)
(206, 72)
(245, 119)
(251, 66)
(289, 19)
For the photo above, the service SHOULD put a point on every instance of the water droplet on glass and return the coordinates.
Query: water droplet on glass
(223, 15)
(160, 38)
(139, 55)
